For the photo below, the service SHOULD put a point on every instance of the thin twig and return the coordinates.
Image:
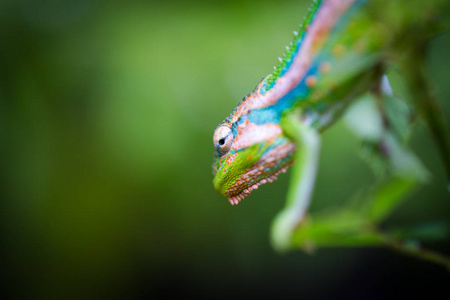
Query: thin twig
(414, 250)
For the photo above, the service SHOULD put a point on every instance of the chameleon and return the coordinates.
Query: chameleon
(335, 68)
(337, 61)
(341, 51)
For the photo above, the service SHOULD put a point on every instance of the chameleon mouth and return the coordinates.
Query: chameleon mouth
(234, 200)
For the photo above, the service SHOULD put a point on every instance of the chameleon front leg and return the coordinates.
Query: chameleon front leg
(357, 223)
(302, 179)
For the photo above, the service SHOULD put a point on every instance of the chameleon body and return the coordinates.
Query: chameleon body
(341, 51)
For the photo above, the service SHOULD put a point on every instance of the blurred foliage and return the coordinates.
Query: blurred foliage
(107, 110)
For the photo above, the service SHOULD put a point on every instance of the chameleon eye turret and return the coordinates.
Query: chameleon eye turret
(223, 139)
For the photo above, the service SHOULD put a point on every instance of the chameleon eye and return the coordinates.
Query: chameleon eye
(223, 138)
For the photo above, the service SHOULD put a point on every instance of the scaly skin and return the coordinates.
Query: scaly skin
(338, 55)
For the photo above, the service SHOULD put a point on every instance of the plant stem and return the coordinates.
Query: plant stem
(415, 250)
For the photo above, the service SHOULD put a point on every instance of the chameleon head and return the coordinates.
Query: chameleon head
(249, 151)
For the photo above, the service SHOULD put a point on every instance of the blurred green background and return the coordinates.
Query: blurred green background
(107, 110)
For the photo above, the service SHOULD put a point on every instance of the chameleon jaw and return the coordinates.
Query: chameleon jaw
(234, 200)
